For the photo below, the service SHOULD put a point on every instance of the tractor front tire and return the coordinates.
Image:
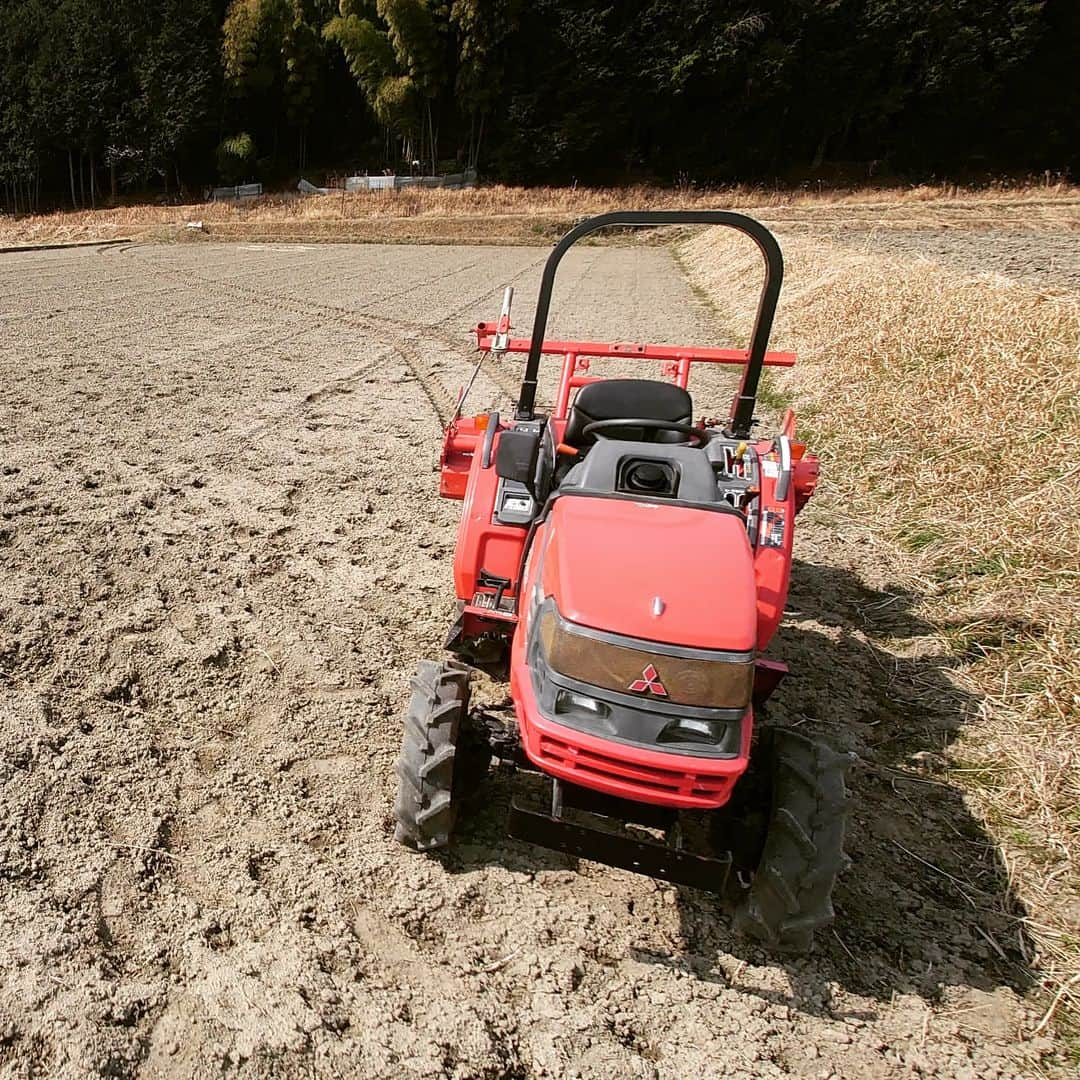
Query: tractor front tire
(433, 756)
(791, 893)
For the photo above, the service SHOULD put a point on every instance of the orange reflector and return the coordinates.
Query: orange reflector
(480, 421)
(797, 451)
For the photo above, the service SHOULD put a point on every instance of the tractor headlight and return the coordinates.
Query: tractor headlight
(688, 729)
(566, 701)
(694, 677)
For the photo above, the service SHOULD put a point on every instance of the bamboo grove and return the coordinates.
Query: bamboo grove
(102, 99)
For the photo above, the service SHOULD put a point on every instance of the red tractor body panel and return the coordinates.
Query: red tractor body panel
(459, 446)
(718, 580)
(484, 544)
(607, 562)
(625, 566)
(604, 562)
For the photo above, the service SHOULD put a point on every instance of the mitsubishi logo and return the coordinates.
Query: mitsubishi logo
(649, 681)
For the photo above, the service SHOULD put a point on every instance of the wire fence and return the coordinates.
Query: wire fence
(239, 191)
(466, 179)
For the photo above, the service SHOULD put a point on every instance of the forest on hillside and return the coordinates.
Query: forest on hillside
(101, 99)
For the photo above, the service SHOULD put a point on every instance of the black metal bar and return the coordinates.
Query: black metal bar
(640, 857)
(595, 802)
(742, 411)
(489, 439)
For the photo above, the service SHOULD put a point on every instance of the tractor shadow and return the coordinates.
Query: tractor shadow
(927, 902)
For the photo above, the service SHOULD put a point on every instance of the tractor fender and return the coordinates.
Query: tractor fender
(483, 543)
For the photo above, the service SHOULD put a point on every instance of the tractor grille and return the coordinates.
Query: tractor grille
(688, 788)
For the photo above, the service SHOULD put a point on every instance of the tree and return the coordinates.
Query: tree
(235, 157)
(396, 51)
(176, 75)
(484, 29)
(22, 123)
(551, 89)
(77, 78)
(273, 49)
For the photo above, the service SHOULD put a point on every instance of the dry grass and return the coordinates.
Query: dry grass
(947, 409)
(531, 215)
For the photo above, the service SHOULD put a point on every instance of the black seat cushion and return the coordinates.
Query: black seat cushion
(618, 399)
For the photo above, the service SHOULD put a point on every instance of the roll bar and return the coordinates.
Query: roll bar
(742, 410)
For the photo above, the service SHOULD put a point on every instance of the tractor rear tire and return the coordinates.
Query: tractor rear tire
(439, 758)
(791, 893)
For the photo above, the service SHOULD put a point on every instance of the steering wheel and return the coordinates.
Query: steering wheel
(600, 428)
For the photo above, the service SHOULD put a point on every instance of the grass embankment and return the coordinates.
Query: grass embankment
(947, 409)
(511, 215)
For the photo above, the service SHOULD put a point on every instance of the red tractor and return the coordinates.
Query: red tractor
(627, 566)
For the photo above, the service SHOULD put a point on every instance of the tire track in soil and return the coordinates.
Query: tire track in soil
(254, 996)
(439, 398)
(394, 332)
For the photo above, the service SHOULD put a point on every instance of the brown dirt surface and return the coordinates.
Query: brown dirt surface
(1040, 257)
(222, 555)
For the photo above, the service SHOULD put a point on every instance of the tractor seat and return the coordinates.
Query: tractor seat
(618, 399)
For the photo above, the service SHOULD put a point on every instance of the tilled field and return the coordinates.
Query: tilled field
(222, 554)
(1038, 257)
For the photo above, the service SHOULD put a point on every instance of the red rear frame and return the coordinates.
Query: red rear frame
(676, 359)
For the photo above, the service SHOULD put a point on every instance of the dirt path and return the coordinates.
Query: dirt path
(222, 554)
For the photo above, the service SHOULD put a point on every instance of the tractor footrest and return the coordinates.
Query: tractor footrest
(640, 856)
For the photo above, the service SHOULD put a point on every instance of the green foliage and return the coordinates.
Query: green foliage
(371, 60)
(395, 51)
(21, 113)
(235, 158)
(484, 29)
(251, 30)
(412, 31)
(274, 48)
(175, 76)
(89, 84)
(303, 67)
(692, 89)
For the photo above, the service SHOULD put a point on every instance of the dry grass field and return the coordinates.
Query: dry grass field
(221, 553)
(507, 215)
(950, 403)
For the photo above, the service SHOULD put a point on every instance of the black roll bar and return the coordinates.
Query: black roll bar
(742, 410)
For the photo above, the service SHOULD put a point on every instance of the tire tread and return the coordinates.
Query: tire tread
(791, 895)
(425, 808)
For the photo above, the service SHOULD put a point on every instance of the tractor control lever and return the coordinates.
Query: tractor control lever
(501, 341)
(500, 344)
(783, 481)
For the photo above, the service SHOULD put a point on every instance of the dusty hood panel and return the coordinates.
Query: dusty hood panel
(612, 564)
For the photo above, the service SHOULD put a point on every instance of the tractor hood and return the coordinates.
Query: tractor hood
(661, 572)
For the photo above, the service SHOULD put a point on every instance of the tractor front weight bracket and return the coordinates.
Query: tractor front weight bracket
(639, 856)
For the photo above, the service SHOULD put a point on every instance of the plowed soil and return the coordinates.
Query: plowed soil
(1038, 257)
(222, 554)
